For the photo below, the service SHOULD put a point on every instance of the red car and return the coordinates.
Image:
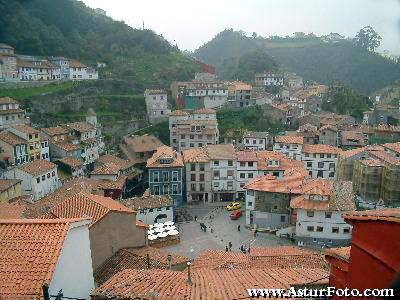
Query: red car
(236, 214)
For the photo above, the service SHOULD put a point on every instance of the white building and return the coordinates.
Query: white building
(318, 213)
(10, 113)
(255, 140)
(156, 105)
(247, 169)
(44, 149)
(79, 71)
(288, 145)
(320, 160)
(39, 178)
(65, 241)
(193, 131)
(269, 79)
(152, 209)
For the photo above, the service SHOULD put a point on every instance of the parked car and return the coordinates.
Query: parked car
(236, 214)
(234, 206)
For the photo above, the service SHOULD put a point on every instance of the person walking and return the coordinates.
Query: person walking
(195, 218)
(226, 248)
(230, 246)
(238, 227)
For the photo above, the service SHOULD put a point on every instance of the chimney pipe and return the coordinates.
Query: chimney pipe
(189, 280)
(148, 260)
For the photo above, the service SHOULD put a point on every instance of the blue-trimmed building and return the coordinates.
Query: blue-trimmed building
(166, 174)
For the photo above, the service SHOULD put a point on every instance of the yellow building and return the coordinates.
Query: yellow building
(32, 137)
(9, 189)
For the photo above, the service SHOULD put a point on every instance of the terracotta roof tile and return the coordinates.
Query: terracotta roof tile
(52, 131)
(67, 146)
(221, 151)
(351, 153)
(144, 143)
(285, 163)
(168, 153)
(389, 215)
(246, 156)
(386, 157)
(136, 258)
(80, 126)
(11, 139)
(38, 167)
(205, 111)
(370, 162)
(73, 63)
(5, 184)
(72, 161)
(118, 184)
(25, 129)
(107, 169)
(7, 100)
(325, 149)
(179, 113)
(107, 159)
(195, 155)
(155, 91)
(289, 139)
(395, 147)
(87, 205)
(30, 250)
(341, 253)
(146, 202)
(11, 210)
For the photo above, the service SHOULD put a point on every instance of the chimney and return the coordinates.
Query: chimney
(189, 280)
(148, 260)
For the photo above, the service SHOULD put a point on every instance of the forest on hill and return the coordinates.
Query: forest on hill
(69, 28)
(308, 55)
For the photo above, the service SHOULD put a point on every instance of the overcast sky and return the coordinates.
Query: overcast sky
(192, 23)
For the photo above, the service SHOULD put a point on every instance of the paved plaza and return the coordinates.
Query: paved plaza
(224, 230)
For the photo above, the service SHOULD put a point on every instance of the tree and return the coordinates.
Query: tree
(254, 35)
(368, 39)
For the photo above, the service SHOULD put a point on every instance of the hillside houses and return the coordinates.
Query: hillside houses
(15, 67)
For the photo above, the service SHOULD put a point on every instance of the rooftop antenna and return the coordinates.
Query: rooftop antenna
(143, 25)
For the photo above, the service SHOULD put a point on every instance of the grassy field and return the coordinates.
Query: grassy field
(27, 92)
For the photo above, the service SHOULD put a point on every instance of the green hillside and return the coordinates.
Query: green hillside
(71, 29)
(308, 56)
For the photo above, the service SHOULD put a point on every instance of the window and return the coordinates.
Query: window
(168, 208)
(322, 155)
(310, 228)
(174, 176)
(230, 185)
(283, 218)
(156, 177)
(328, 214)
(156, 190)
(201, 177)
(242, 175)
(48, 175)
(216, 162)
(242, 164)
(43, 177)
(250, 192)
(309, 165)
(201, 187)
(192, 167)
(250, 163)
(192, 177)
(230, 163)
(335, 229)
(191, 145)
(151, 210)
(191, 137)
(250, 175)
(165, 176)
(249, 203)
(320, 165)
(306, 155)
(201, 167)
(320, 229)
(38, 180)
(331, 174)
(346, 230)
(165, 189)
(216, 184)
(174, 191)
(328, 156)
(310, 213)
(230, 173)
(193, 187)
(216, 174)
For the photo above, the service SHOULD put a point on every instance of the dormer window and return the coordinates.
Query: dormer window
(273, 162)
(165, 161)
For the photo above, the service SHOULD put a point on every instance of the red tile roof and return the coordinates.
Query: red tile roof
(5, 184)
(179, 113)
(389, 215)
(29, 253)
(246, 156)
(324, 149)
(38, 167)
(386, 157)
(52, 131)
(195, 155)
(136, 258)
(144, 143)
(351, 153)
(289, 139)
(395, 147)
(205, 111)
(341, 253)
(25, 129)
(86, 205)
(168, 153)
(72, 161)
(7, 100)
(11, 139)
(107, 169)
(11, 210)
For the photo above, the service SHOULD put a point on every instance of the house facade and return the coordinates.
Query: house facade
(269, 79)
(166, 174)
(288, 145)
(15, 149)
(11, 113)
(320, 160)
(33, 139)
(9, 189)
(156, 105)
(39, 178)
(317, 213)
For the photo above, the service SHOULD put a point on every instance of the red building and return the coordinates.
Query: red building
(373, 260)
